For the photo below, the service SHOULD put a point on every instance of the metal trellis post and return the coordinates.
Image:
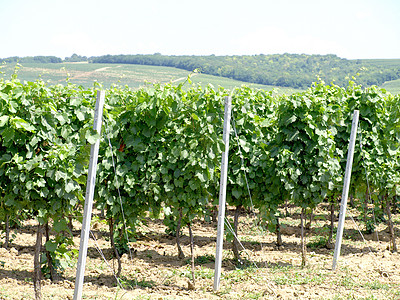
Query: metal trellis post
(90, 185)
(222, 193)
(346, 185)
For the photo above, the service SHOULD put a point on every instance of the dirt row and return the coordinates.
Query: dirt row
(366, 270)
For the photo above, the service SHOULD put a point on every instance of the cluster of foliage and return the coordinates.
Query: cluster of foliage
(162, 147)
(76, 58)
(287, 70)
(44, 156)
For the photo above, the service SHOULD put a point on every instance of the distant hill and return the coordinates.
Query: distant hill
(134, 76)
(286, 70)
(297, 71)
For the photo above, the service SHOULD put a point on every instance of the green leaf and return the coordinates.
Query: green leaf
(59, 175)
(29, 185)
(41, 182)
(4, 120)
(8, 134)
(80, 115)
(291, 119)
(201, 176)
(193, 184)
(194, 116)
(392, 150)
(244, 145)
(3, 96)
(62, 118)
(71, 186)
(293, 135)
(13, 107)
(211, 153)
(236, 193)
(184, 154)
(92, 136)
(60, 225)
(193, 143)
(51, 246)
(22, 124)
(75, 101)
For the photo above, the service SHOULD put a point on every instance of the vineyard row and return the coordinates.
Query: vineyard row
(165, 154)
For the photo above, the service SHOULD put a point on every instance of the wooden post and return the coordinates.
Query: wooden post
(87, 214)
(222, 193)
(346, 185)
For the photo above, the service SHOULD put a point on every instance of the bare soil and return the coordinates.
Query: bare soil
(366, 270)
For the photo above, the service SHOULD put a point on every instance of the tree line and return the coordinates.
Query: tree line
(31, 59)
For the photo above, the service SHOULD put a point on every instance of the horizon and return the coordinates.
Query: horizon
(351, 29)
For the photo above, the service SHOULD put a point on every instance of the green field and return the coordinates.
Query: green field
(392, 86)
(382, 62)
(134, 76)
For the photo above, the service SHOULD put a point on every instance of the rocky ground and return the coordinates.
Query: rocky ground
(366, 270)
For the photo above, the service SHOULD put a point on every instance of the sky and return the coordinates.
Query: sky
(351, 29)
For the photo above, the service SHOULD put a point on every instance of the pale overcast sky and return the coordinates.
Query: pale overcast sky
(348, 28)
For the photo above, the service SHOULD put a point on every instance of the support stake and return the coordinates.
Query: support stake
(222, 193)
(346, 185)
(87, 214)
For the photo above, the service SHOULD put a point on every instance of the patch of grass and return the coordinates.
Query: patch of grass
(376, 285)
(274, 268)
(141, 298)
(317, 242)
(224, 290)
(28, 279)
(187, 273)
(254, 295)
(251, 239)
(346, 281)
(204, 273)
(350, 281)
(396, 291)
(239, 275)
(290, 275)
(352, 296)
(299, 278)
(135, 283)
(201, 260)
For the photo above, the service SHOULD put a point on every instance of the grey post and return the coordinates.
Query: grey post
(346, 185)
(87, 214)
(222, 193)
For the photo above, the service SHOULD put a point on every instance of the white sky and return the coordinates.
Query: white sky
(348, 28)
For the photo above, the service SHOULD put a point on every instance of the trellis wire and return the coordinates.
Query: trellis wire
(244, 173)
(229, 226)
(119, 193)
(105, 260)
(368, 187)
(358, 229)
